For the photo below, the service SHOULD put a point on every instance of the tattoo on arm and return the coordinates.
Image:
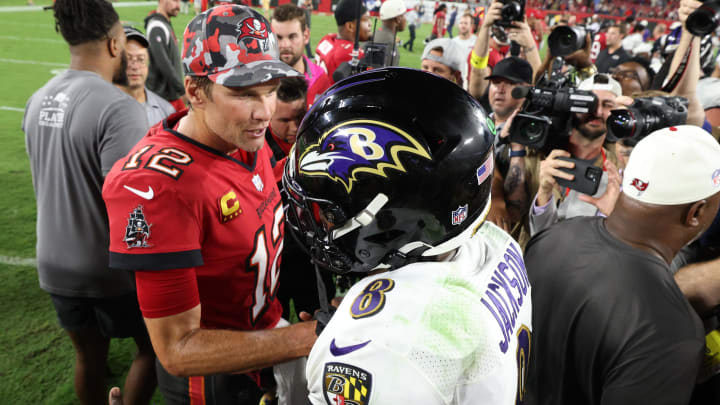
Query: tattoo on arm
(516, 196)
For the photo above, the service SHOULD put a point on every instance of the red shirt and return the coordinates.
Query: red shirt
(331, 52)
(599, 43)
(439, 24)
(176, 204)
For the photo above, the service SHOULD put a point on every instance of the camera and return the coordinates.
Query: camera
(704, 19)
(546, 111)
(565, 40)
(645, 115)
(374, 58)
(512, 10)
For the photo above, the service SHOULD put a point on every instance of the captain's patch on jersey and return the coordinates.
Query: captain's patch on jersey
(137, 231)
(344, 384)
(229, 206)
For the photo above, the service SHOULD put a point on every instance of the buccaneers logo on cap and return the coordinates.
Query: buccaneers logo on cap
(254, 33)
(639, 184)
(360, 146)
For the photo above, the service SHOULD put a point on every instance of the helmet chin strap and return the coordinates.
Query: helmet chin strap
(363, 218)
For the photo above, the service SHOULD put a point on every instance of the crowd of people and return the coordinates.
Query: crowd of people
(542, 230)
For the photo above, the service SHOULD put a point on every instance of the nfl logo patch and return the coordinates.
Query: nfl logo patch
(344, 384)
(459, 215)
(257, 181)
(716, 178)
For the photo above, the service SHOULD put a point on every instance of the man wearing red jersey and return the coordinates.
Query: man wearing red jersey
(334, 49)
(599, 43)
(195, 211)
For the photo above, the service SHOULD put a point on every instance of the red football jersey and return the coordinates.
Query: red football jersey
(175, 203)
(599, 43)
(332, 51)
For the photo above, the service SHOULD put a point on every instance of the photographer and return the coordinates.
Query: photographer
(483, 59)
(334, 49)
(587, 135)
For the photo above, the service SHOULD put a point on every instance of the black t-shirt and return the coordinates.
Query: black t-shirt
(610, 325)
(606, 61)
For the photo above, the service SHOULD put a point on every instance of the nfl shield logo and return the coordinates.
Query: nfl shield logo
(344, 384)
(716, 178)
(459, 215)
(257, 181)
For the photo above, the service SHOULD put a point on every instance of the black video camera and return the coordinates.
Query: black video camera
(565, 40)
(645, 115)
(704, 19)
(374, 58)
(511, 11)
(547, 111)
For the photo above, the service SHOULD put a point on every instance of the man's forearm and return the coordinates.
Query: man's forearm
(478, 84)
(687, 83)
(700, 283)
(210, 351)
(516, 196)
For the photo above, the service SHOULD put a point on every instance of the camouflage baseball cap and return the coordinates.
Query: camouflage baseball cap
(233, 46)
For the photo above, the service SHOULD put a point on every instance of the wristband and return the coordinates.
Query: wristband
(517, 153)
(478, 62)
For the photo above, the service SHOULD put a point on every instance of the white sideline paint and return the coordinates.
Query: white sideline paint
(15, 9)
(18, 261)
(6, 108)
(14, 38)
(32, 62)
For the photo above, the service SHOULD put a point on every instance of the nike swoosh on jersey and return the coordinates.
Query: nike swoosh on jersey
(148, 195)
(341, 351)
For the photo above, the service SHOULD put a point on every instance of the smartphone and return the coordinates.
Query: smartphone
(587, 177)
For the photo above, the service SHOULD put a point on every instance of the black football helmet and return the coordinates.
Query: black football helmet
(390, 167)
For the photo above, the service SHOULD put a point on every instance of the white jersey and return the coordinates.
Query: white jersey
(454, 332)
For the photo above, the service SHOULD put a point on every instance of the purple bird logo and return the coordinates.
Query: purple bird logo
(359, 146)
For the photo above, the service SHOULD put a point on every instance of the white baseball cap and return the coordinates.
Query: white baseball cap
(601, 81)
(392, 8)
(673, 166)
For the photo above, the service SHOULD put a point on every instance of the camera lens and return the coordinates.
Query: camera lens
(565, 40)
(533, 131)
(704, 19)
(511, 11)
(622, 123)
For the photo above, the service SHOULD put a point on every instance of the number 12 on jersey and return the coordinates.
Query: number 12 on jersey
(266, 278)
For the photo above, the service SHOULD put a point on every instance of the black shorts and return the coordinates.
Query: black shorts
(115, 317)
(216, 389)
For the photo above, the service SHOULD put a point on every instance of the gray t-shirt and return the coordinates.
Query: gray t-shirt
(156, 108)
(76, 127)
(386, 36)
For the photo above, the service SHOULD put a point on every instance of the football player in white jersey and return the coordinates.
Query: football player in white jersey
(386, 182)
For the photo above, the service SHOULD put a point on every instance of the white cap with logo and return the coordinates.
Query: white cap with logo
(673, 166)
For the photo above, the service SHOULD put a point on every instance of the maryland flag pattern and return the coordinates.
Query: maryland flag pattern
(344, 384)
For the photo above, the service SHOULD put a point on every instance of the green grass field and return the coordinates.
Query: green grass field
(36, 366)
